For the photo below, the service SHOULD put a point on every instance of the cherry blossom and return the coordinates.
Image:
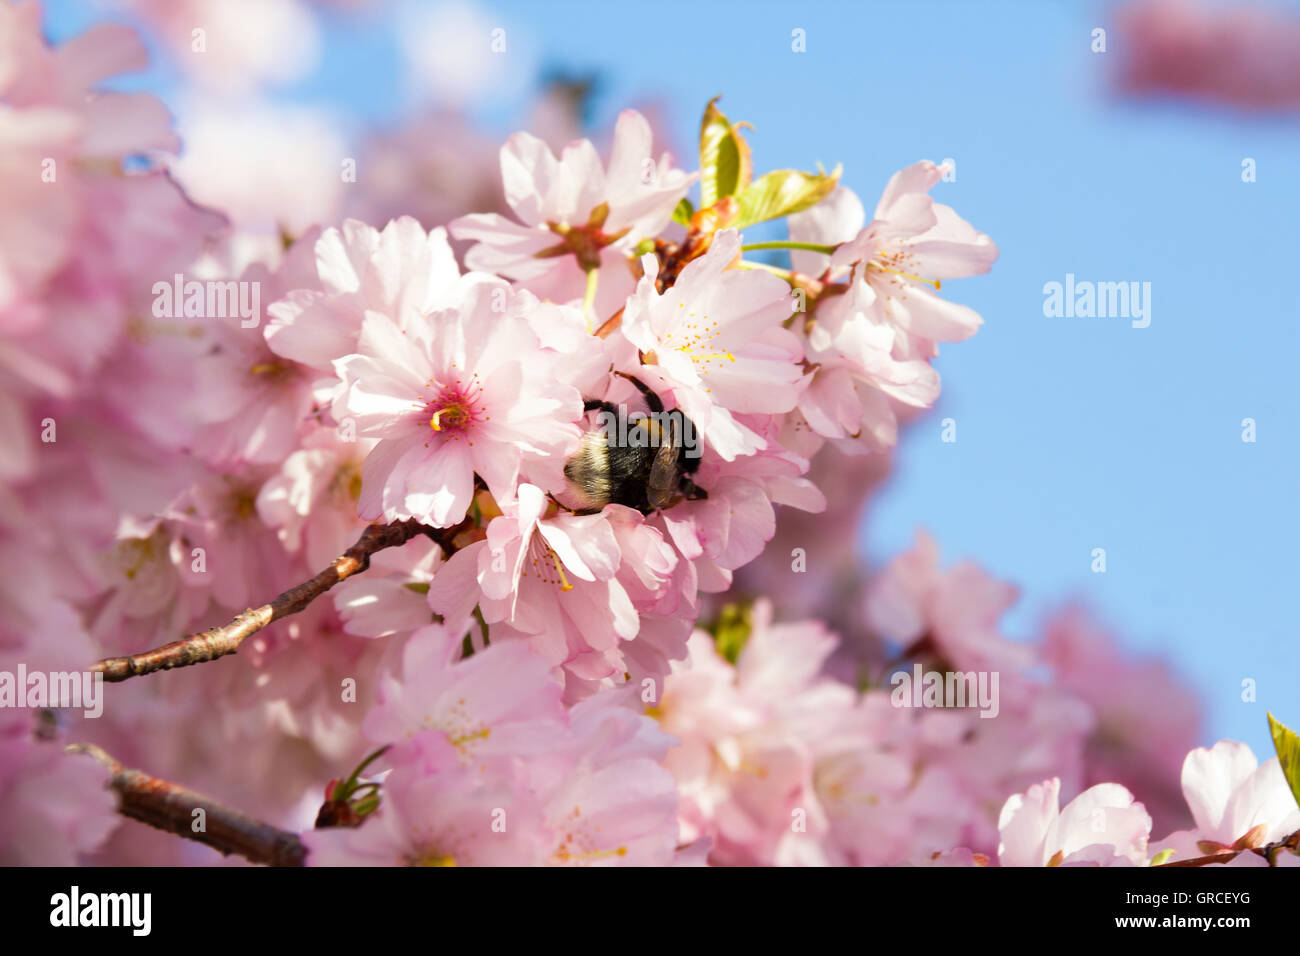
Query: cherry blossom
(470, 391)
(716, 341)
(1103, 826)
(575, 215)
(371, 493)
(1236, 803)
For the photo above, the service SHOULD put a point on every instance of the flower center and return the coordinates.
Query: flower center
(451, 417)
(585, 242)
(897, 263)
(270, 371)
(696, 340)
(580, 842)
(134, 554)
(243, 504)
(546, 566)
(455, 408)
(346, 483)
(430, 857)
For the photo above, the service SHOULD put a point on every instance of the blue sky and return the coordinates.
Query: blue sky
(1072, 433)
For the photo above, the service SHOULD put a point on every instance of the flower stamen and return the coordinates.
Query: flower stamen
(457, 415)
(906, 275)
(567, 855)
(559, 569)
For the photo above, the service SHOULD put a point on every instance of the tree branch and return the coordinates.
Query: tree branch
(216, 642)
(169, 807)
(1268, 852)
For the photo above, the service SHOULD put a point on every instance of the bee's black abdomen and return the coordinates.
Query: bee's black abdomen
(630, 466)
(629, 470)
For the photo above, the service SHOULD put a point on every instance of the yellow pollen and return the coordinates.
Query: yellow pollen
(839, 792)
(433, 859)
(141, 549)
(706, 357)
(244, 505)
(699, 338)
(907, 275)
(466, 738)
(559, 569)
(455, 413)
(591, 855)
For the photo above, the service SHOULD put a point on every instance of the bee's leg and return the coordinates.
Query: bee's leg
(653, 400)
(592, 404)
(691, 491)
(573, 511)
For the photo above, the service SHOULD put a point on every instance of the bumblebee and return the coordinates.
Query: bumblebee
(643, 461)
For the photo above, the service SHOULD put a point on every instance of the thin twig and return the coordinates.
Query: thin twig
(217, 642)
(609, 325)
(1202, 860)
(170, 807)
(1268, 852)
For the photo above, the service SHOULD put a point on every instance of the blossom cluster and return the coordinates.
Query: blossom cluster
(597, 650)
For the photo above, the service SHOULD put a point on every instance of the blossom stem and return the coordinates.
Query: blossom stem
(170, 807)
(482, 624)
(589, 298)
(216, 642)
(786, 274)
(788, 244)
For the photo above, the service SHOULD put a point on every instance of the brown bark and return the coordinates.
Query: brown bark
(171, 807)
(217, 642)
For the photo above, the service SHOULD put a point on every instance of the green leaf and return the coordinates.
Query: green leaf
(726, 167)
(731, 630)
(683, 212)
(1287, 744)
(783, 192)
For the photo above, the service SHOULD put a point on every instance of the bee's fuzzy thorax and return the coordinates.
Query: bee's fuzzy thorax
(588, 471)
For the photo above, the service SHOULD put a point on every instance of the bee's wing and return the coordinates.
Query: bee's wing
(666, 470)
